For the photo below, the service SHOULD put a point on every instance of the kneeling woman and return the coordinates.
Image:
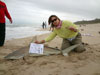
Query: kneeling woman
(66, 30)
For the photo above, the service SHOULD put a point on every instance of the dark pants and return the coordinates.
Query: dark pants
(2, 33)
(78, 40)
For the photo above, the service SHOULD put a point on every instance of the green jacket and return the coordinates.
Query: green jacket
(63, 32)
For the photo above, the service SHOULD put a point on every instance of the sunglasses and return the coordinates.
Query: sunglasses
(53, 20)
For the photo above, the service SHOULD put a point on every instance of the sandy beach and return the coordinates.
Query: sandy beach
(86, 63)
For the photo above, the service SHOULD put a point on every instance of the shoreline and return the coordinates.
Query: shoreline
(21, 32)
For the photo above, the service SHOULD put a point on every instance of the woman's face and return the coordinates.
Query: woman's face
(55, 21)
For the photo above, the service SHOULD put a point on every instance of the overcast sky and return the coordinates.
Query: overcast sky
(37, 11)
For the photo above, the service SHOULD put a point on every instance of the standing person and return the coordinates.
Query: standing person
(43, 24)
(66, 30)
(3, 12)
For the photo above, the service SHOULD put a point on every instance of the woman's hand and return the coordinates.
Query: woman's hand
(40, 42)
(37, 42)
(72, 29)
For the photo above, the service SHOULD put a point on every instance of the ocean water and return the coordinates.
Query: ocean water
(21, 31)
